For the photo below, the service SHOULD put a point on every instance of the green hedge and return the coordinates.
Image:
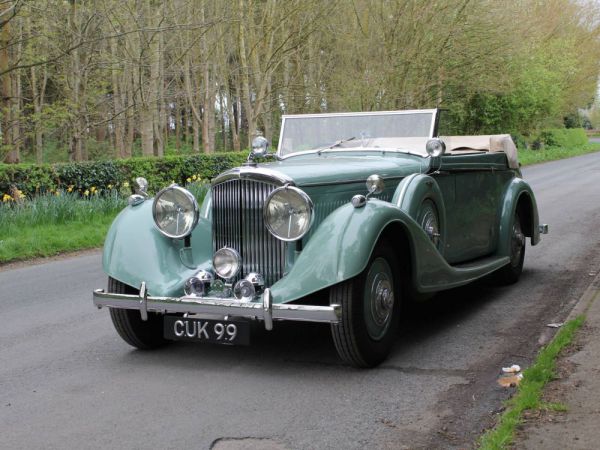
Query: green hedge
(105, 175)
(564, 137)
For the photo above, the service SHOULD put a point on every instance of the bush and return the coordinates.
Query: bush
(564, 137)
(107, 175)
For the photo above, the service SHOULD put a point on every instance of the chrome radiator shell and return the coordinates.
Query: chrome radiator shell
(238, 223)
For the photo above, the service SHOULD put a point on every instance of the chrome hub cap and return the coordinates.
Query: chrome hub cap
(379, 298)
(430, 223)
(517, 243)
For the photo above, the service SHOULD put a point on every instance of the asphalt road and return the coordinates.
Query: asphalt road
(68, 381)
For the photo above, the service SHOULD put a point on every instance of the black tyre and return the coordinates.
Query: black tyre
(510, 273)
(370, 310)
(141, 334)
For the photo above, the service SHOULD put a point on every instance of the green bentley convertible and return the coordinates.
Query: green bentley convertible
(354, 215)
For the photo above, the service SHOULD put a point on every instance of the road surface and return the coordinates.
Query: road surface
(68, 381)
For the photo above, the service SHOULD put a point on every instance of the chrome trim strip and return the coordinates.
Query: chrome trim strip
(254, 173)
(334, 183)
(404, 189)
(355, 150)
(222, 307)
(365, 113)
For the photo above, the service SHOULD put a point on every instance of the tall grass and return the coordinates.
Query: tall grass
(52, 209)
(47, 225)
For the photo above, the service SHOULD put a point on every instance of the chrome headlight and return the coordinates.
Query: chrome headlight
(175, 211)
(435, 147)
(227, 262)
(288, 213)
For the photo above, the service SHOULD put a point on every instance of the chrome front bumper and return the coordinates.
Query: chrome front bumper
(265, 311)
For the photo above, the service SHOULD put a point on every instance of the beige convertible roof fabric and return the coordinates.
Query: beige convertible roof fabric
(488, 143)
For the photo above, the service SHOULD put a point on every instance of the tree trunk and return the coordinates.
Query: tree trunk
(177, 127)
(196, 140)
(118, 120)
(147, 129)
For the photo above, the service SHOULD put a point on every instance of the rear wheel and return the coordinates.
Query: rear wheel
(370, 310)
(129, 324)
(511, 273)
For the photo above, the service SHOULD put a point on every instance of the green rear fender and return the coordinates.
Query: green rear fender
(519, 195)
(135, 251)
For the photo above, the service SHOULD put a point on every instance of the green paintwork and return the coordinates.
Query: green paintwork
(476, 196)
(332, 167)
(134, 251)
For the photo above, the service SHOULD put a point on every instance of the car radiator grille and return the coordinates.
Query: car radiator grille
(238, 223)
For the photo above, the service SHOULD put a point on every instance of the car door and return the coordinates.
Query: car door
(472, 186)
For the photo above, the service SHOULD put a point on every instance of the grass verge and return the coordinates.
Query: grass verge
(528, 157)
(529, 394)
(52, 239)
(48, 225)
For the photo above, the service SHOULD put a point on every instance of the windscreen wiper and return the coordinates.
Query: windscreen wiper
(336, 144)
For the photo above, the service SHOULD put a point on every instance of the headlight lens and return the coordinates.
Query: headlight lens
(227, 262)
(288, 213)
(175, 212)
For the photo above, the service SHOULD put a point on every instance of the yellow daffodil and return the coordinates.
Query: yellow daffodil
(109, 186)
(125, 184)
(93, 189)
(86, 193)
(189, 180)
(70, 188)
(57, 193)
(194, 177)
(6, 198)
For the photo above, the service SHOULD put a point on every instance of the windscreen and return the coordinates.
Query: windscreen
(312, 132)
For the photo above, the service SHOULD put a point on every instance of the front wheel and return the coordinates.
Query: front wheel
(141, 334)
(370, 310)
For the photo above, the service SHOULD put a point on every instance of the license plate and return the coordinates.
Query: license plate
(227, 332)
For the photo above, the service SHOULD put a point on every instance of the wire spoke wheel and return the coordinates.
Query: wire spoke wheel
(511, 273)
(370, 309)
(378, 298)
(429, 220)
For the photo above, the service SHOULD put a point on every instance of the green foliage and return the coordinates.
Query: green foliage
(528, 157)
(564, 137)
(529, 395)
(103, 176)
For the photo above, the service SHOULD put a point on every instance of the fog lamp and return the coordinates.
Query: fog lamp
(198, 284)
(227, 262)
(244, 290)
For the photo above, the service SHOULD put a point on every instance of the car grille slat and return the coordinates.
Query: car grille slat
(238, 223)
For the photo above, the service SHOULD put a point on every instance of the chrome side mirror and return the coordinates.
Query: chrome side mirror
(375, 185)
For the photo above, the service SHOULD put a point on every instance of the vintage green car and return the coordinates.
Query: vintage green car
(354, 215)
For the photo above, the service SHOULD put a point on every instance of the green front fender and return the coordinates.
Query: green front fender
(135, 251)
(342, 245)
